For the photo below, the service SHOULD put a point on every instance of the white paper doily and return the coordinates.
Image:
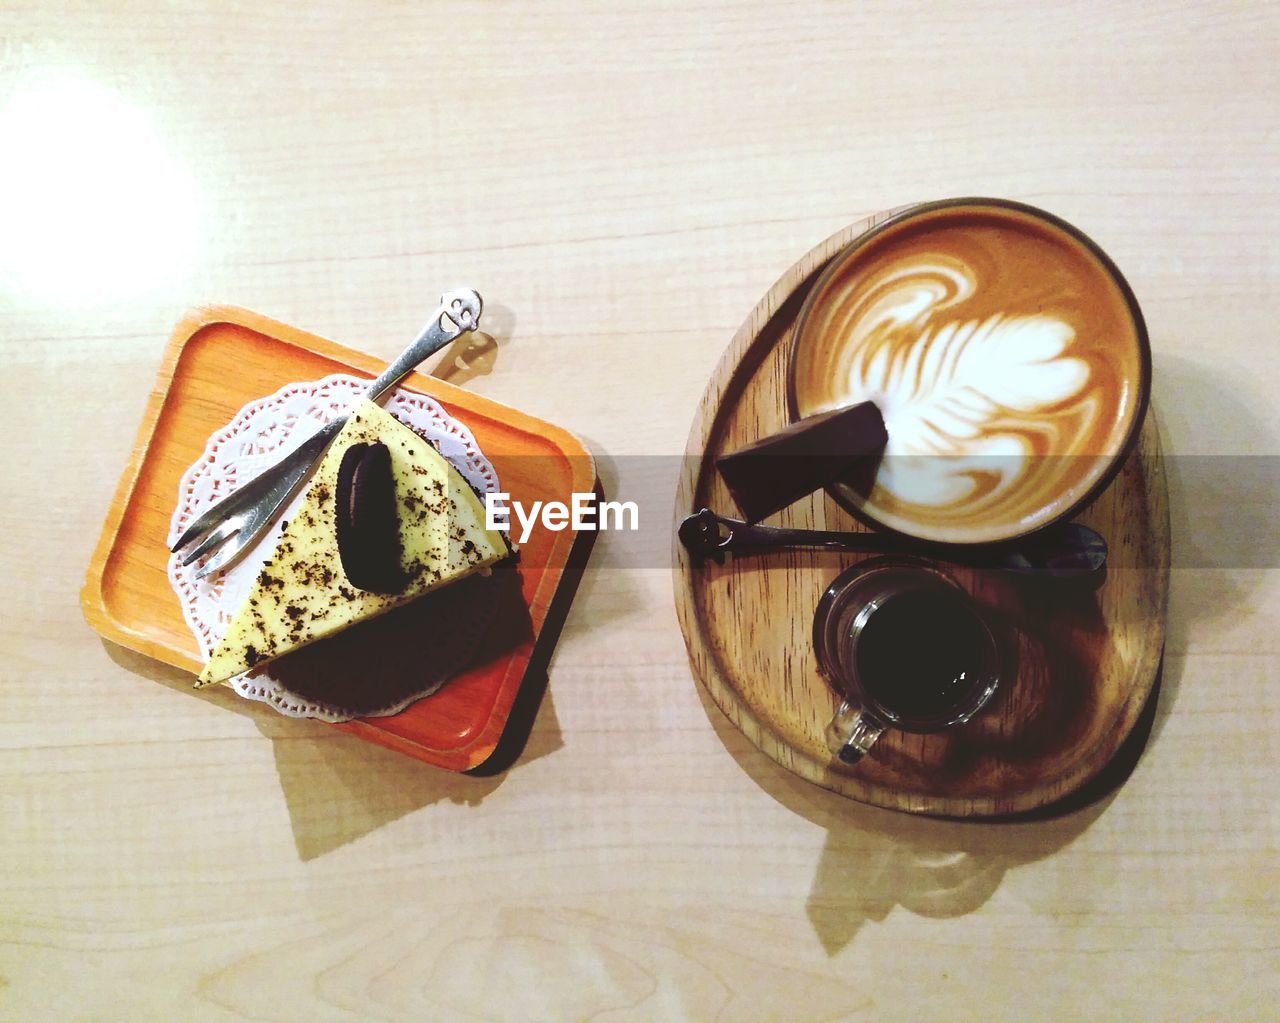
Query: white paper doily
(262, 433)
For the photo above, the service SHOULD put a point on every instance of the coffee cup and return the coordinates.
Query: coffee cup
(1006, 353)
(903, 646)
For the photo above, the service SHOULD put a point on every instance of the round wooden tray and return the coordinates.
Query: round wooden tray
(1080, 665)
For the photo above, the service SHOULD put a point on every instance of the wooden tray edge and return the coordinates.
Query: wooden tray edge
(92, 599)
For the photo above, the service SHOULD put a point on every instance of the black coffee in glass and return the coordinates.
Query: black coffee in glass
(904, 646)
(920, 654)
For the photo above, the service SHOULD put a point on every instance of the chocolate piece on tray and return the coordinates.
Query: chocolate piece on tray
(772, 473)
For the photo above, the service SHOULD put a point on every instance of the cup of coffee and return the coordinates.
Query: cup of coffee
(904, 646)
(1006, 353)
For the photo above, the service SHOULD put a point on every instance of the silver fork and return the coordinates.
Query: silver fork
(231, 526)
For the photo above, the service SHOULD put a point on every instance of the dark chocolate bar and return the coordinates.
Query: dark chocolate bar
(772, 473)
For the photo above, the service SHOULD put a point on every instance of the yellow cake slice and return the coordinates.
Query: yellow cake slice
(302, 593)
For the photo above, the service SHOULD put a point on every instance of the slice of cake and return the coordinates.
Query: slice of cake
(304, 593)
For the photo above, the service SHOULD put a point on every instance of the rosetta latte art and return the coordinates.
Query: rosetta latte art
(1002, 355)
(968, 390)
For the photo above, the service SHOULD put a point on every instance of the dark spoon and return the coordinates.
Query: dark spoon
(1065, 551)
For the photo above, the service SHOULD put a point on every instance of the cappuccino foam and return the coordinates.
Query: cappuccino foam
(1003, 356)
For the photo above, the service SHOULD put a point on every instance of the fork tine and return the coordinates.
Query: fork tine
(219, 536)
(265, 487)
(229, 507)
(200, 526)
(225, 555)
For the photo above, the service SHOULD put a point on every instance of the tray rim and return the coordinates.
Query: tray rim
(705, 664)
(479, 747)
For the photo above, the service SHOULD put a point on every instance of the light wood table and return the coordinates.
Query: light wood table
(622, 184)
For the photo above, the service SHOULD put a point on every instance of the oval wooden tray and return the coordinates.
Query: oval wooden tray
(1080, 665)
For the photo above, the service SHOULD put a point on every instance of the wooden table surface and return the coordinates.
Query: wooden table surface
(622, 182)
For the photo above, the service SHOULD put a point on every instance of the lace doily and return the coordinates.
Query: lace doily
(262, 433)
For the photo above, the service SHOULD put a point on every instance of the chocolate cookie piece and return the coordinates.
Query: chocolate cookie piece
(368, 527)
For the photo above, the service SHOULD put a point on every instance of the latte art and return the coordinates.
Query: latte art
(1002, 356)
(966, 389)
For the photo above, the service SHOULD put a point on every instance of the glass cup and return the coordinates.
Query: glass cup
(904, 646)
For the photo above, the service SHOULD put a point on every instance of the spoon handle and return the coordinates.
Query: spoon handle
(713, 535)
(744, 537)
(1065, 551)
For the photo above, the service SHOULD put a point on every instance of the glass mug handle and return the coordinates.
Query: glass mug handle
(852, 733)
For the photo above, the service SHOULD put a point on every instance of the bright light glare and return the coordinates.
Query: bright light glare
(92, 205)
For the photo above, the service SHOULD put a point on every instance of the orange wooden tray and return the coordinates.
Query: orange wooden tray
(220, 358)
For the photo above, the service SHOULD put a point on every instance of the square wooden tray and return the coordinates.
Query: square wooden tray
(220, 358)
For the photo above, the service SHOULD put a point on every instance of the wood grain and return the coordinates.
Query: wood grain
(622, 182)
(1078, 666)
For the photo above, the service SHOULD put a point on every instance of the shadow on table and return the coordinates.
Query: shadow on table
(472, 355)
(875, 860)
(366, 786)
(339, 788)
